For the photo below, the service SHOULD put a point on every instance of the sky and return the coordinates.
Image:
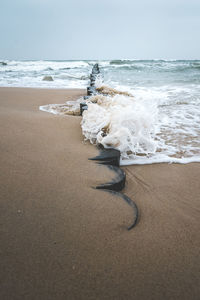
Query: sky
(99, 29)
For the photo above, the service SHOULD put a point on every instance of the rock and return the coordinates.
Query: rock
(92, 83)
(91, 90)
(47, 78)
(3, 63)
(95, 69)
(93, 76)
(83, 106)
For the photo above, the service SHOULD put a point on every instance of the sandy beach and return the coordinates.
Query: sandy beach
(62, 239)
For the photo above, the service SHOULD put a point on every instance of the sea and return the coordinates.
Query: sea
(161, 123)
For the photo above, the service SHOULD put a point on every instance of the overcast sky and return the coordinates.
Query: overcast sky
(100, 29)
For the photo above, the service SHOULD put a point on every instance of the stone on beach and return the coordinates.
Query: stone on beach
(47, 78)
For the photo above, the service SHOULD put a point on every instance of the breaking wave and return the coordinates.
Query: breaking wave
(153, 126)
(121, 122)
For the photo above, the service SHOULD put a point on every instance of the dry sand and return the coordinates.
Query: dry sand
(61, 239)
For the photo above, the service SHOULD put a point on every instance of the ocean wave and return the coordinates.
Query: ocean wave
(74, 77)
(156, 65)
(63, 69)
(120, 62)
(48, 69)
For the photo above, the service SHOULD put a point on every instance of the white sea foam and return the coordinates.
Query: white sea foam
(68, 108)
(157, 125)
(123, 123)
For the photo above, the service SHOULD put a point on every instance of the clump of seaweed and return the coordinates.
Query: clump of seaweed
(112, 92)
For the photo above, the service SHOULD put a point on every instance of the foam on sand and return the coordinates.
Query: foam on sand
(68, 108)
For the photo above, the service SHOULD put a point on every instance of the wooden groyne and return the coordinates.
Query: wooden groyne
(109, 157)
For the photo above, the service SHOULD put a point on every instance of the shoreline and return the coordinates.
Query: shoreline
(55, 226)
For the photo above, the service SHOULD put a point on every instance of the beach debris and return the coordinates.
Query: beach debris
(47, 78)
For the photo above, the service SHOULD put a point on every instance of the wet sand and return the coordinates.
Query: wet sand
(61, 239)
